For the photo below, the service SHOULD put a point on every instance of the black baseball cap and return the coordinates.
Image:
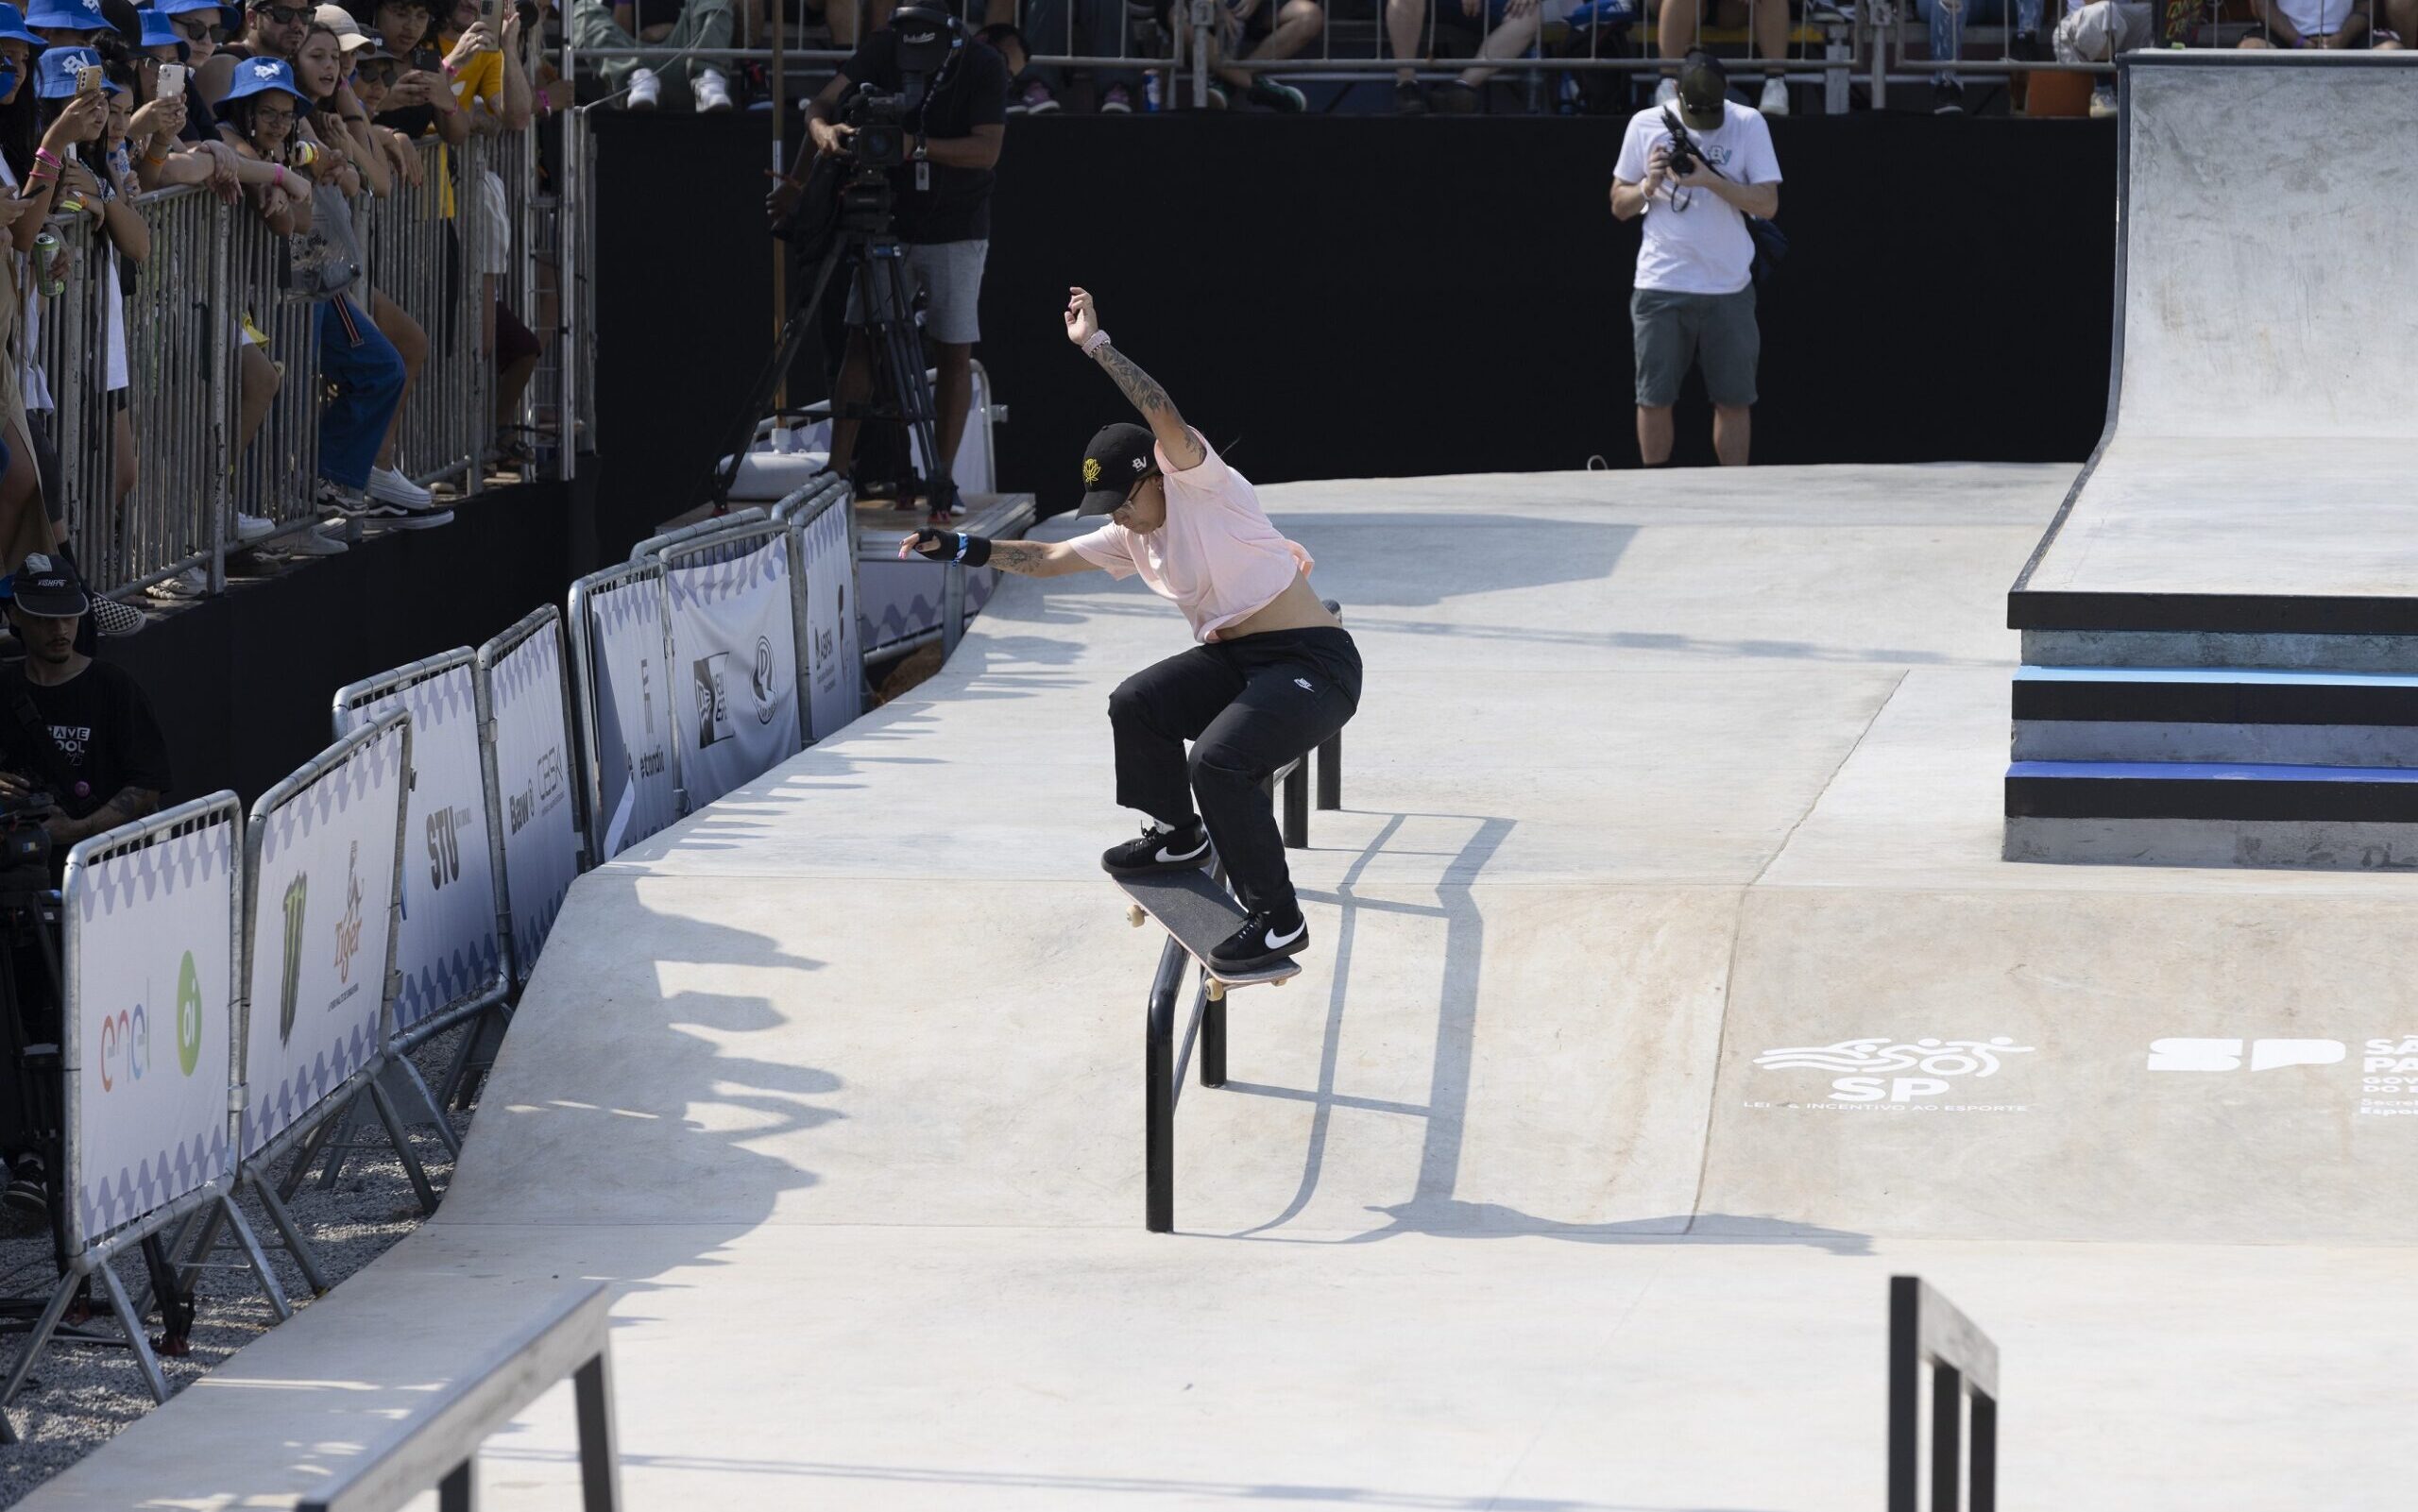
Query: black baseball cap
(1119, 457)
(49, 588)
(1704, 84)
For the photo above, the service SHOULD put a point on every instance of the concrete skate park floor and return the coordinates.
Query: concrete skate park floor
(840, 1079)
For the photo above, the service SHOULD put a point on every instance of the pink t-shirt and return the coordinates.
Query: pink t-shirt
(1217, 556)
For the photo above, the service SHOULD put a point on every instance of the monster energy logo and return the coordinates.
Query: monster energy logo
(289, 986)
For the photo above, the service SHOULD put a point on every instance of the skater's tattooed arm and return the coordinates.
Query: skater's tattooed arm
(1175, 437)
(1038, 558)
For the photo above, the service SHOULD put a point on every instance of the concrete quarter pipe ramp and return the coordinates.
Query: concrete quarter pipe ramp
(2217, 629)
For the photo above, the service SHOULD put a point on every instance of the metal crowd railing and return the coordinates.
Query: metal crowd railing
(213, 313)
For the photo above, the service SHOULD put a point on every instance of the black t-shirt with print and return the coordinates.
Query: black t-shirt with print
(956, 207)
(103, 728)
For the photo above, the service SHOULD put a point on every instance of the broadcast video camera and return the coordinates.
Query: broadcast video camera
(24, 841)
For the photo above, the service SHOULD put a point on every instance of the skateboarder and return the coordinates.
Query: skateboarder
(1273, 676)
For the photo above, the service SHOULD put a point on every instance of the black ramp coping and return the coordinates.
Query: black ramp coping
(2147, 790)
(2251, 614)
(2187, 696)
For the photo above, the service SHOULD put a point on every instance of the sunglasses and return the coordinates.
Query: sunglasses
(381, 72)
(285, 15)
(195, 31)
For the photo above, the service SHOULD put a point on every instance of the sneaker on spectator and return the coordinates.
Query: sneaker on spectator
(712, 91)
(396, 517)
(1409, 99)
(190, 583)
(1456, 97)
(1666, 92)
(2102, 100)
(1119, 100)
(388, 485)
(252, 527)
(1947, 95)
(116, 619)
(646, 91)
(1277, 95)
(1217, 96)
(1774, 100)
(1036, 100)
(314, 542)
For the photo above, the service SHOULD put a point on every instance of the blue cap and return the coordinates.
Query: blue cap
(12, 25)
(68, 15)
(55, 71)
(159, 31)
(259, 76)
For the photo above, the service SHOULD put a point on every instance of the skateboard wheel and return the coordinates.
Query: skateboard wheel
(1134, 916)
(1216, 990)
(1282, 980)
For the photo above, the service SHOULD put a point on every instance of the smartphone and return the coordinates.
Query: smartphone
(88, 79)
(172, 82)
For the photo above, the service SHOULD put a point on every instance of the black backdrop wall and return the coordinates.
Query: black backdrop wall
(1357, 298)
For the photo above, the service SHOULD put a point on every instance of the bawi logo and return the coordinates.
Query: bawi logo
(713, 704)
(1875, 1057)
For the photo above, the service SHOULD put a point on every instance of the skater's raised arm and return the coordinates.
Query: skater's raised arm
(1175, 437)
(1024, 558)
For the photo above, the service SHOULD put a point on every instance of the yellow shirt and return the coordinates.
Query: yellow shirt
(480, 78)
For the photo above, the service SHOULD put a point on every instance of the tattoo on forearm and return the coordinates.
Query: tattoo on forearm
(1026, 558)
(1139, 387)
(128, 805)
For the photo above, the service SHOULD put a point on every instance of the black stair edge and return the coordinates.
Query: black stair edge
(2132, 702)
(2378, 803)
(2252, 614)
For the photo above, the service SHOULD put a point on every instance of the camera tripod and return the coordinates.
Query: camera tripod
(893, 346)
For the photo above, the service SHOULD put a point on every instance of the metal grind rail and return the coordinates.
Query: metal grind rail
(1926, 1329)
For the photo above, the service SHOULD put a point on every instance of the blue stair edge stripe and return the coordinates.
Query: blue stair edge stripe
(2207, 772)
(2253, 676)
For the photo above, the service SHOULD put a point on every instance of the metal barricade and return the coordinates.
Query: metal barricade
(420, 258)
(69, 337)
(276, 475)
(180, 399)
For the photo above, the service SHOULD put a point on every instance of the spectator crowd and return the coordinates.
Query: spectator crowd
(359, 170)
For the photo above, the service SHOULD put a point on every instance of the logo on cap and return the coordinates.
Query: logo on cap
(37, 564)
(264, 69)
(1091, 472)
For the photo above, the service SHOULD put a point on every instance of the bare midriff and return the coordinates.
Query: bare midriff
(1298, 607)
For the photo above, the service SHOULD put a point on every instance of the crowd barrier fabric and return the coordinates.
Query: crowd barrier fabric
(325, 857)
(630, 759)
(150, 915)
(447, 949)
(523, 704)
(733, 627)
(824, 525)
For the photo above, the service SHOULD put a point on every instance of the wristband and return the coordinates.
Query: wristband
(1093, 342)
(975, 552)
(45, 155)
(280, 170)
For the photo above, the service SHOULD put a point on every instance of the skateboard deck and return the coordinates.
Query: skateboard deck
(1198, 913)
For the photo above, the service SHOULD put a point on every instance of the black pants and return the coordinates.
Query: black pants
(1248, 706)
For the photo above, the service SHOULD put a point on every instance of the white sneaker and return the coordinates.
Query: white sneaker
(2103, 101)
(713, 90)
(314, 542)
(190, 583)
(1666, 92)
(252, 527)
(646, 91)
(1774, 100)
(389, 486)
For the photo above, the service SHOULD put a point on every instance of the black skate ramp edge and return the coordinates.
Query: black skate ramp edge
(2141, 790)
(2255, 614)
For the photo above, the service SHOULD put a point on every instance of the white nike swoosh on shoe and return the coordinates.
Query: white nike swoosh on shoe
(1280, 942)
(1163, 855)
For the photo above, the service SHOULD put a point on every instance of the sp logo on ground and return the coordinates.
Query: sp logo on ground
(1886, 1071)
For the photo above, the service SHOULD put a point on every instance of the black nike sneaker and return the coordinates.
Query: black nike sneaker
(1159, 850)
(1263, 940)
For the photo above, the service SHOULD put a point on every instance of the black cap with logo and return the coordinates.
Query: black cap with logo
(49, 588)
(1120, 456)
(1704, 85)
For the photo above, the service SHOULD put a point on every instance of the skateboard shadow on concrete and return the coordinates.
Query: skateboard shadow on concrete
(1435, 1210)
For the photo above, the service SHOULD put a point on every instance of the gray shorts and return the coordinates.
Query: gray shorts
(950, 275)
(1675, 330)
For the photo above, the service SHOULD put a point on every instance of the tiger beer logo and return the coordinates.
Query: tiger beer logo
(1091, 472)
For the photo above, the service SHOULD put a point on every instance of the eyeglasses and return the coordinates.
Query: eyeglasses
(273, 114)
(285, 15)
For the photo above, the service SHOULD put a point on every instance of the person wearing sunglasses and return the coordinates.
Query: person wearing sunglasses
(272, 29)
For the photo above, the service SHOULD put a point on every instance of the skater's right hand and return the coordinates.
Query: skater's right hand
(1082, 316)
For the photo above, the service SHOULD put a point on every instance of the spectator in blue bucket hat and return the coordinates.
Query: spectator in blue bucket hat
(67, 22)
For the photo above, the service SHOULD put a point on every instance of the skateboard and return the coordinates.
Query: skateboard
(1198, 913)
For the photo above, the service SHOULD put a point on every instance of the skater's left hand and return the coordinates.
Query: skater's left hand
(1082, 316)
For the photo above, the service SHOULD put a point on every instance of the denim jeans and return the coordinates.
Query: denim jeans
(1947, 19)
(701, 24)
(367, 373)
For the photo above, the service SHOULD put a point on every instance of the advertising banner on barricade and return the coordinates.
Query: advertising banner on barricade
(734, 648)
(446, 945)
(325, 849)
(834, 648)
(528, 719)
(150, 966)
(624, 706)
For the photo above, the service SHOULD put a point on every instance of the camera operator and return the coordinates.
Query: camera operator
(77, 729)
(1695, 177)
(955, 122)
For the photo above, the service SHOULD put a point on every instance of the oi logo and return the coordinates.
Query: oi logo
(188, 1016)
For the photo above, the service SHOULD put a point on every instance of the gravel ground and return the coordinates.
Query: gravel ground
(81, 1394)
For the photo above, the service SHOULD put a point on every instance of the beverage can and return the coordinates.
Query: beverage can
(47, 250)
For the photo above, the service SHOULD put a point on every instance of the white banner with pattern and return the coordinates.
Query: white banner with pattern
(151, 984)
(834, 655)
(632, 693)
(325, 897)
(446, 947)
(525, 698)
(735, 658)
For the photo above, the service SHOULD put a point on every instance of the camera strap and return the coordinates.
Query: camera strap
(40, 746)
